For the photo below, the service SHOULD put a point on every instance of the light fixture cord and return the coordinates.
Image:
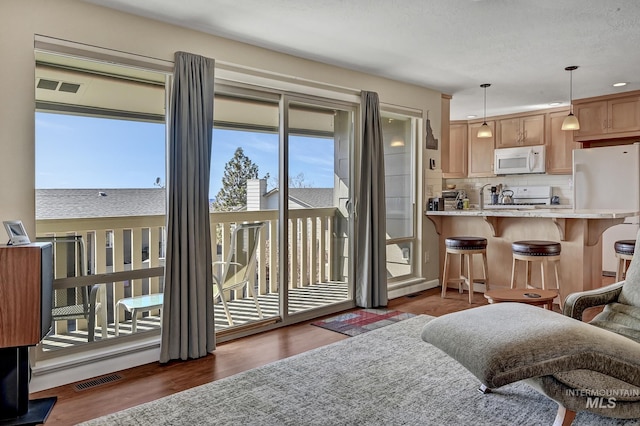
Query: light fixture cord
(485, 105)
(571, 91)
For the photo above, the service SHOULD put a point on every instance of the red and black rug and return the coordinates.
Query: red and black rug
(361, 321)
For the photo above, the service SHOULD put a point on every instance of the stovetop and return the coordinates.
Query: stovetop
(526, 197)
(522, 204)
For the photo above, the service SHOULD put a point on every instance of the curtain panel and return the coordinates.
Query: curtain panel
(371, 233)
(187, 316)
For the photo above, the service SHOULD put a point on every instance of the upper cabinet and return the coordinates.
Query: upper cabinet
(454, 155)
(466, 155)
(560, 144)
(481, 151)
(520, 131)
(608, 117)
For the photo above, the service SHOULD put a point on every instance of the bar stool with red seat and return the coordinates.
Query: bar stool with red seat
(624, 252)
(466, 247)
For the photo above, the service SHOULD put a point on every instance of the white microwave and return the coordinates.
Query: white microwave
(519, 160)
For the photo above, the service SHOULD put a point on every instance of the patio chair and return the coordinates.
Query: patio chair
(237, 272)
(73, 303)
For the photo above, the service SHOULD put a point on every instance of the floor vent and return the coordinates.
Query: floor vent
(90, 384)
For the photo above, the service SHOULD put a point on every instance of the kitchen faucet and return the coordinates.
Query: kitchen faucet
(482, 195)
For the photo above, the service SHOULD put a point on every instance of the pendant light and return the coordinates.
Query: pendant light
(485, 131)
(571, 121)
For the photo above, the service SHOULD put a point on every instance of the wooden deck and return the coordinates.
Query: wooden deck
(243, 311)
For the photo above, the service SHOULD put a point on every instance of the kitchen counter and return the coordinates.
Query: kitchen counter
(538, 212)
(598, 220)
(578, 231)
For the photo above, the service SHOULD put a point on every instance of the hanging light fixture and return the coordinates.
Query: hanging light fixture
(485, 131)
(397, 141)
(571, 121)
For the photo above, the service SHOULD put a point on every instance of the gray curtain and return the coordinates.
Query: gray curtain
(371, 282)
(187, 316)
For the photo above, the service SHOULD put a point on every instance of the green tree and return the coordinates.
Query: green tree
(237, 171)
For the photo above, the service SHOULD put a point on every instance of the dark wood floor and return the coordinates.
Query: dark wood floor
(153, 381)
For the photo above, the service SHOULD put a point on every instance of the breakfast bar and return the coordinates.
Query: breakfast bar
(578, 231)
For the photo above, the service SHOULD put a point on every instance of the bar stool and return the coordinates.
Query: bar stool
(624, 252)
(465, 246)
(536, 251)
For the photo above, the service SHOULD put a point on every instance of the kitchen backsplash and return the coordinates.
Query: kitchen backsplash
(561, 185)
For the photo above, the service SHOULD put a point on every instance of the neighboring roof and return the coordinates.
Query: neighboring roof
(84, 203)
(310, 197)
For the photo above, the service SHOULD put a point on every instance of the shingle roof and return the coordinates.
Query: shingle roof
(82, 203)
(312, 197)
(114, 202)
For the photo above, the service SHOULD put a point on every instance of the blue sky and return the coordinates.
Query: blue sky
(87, 152)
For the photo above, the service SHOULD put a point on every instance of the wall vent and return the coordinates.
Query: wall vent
(43, 83)
(92, 383)
(69, 87)
(47, 84)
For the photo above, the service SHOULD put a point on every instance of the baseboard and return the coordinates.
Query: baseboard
(60, 371)
(477, 287)
(399, 290)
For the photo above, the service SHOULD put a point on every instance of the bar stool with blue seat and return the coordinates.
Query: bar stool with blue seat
(624, 252)
(536, 251)
(466, 247)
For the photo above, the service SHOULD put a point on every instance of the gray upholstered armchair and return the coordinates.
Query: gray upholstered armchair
(621, 313)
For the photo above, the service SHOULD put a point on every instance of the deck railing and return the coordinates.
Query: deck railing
(130, 245)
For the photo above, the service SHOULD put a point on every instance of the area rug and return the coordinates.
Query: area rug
(385, 377)
(362, 321)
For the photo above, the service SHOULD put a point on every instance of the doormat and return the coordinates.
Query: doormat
(361, 321)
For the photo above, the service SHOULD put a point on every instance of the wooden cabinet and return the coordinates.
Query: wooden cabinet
(623, 114)
(454, 158)
(480, 151)
(592, 117)
(608, 117)
(520, 131)
(560, 144)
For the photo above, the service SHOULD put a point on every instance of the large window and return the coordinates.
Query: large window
(100, 191)
(280, 160)
(398, 135)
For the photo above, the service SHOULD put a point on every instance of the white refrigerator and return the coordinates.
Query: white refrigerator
(608, 178)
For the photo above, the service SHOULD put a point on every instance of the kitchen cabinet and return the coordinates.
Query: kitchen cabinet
(560, 144)
(480, 151)
(608, 117)
(454, 156)
(520, 131)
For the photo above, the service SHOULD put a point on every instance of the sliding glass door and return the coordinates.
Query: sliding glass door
(282, 163)
(280, 191)
(244, 212)
(317, 144)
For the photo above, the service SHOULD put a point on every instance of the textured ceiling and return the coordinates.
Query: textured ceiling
(521, 47)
